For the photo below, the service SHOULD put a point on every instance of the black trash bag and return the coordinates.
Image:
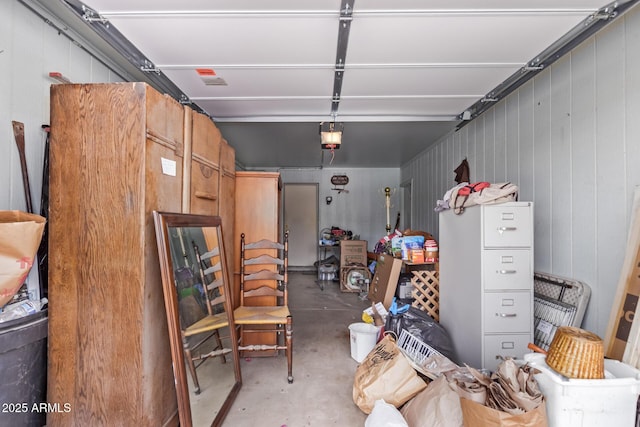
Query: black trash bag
(419, 324)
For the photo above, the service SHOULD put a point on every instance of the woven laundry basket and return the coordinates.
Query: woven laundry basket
(576, 353)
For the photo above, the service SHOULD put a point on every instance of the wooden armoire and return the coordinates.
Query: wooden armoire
(118, 152)
(258, 197)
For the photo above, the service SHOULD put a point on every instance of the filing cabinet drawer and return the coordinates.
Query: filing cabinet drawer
(507, 269)
(507, 226)
(507, 312)
(503, 346)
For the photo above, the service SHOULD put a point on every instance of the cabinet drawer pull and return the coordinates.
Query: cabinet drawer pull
(506, 271)
(503, 229)
(506, 314)
(205, 195)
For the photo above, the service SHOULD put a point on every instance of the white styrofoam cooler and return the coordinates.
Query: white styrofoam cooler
(589, 403)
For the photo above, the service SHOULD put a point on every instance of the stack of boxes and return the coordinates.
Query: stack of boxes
(411, 248)
(353, 256)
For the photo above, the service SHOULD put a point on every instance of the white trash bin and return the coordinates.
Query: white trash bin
(364, 337)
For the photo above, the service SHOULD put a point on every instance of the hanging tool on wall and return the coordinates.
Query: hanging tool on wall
(42, 255)
(43, 252)
(18, 133)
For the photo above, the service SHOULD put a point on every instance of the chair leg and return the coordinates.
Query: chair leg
(239, 335)
(289, 341)
(223, 358)
(192, 370)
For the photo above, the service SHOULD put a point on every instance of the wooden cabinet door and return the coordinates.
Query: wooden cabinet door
(205, 165)
(257, 208)
(257, 213)
(115, 157)
(162, 190)
(226, 205)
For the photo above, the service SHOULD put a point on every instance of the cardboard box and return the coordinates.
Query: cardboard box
(385, 280)
(353, 251)
(410, 243)
(416, 256)
(623, 331)
(396, 245)
(402, 245)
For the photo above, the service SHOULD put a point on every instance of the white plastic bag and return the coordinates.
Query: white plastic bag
(385, 414)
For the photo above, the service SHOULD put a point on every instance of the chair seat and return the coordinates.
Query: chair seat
(207, 323)
(266, 315)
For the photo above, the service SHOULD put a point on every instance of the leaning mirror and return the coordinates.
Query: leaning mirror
(196, 286)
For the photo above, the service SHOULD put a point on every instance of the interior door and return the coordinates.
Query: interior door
(301, 219)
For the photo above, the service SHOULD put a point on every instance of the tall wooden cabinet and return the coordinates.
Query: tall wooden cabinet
(257, 215)
(117, 154)
(486, 281)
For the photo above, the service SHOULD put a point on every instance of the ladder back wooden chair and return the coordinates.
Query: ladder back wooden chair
(264, 297)
(213, 315)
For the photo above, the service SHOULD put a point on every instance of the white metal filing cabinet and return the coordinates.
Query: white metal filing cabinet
(486, 281)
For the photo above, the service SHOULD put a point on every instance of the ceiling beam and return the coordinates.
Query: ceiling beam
(344, 26)
(352, 66)
(298, 118)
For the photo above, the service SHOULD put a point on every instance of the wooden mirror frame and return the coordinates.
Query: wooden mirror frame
(163, 222)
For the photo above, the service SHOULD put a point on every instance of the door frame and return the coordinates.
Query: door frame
(316, 187)
(406, 204)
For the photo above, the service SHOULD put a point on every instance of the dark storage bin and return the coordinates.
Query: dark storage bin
(23, 371)
(404, 288)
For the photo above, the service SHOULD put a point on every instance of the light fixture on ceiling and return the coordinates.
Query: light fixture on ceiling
(331, 135)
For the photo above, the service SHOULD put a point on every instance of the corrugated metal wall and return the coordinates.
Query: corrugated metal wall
(570, 138)
(29, 50)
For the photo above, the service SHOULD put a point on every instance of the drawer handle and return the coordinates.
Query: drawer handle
(506, 314)
(205, 195)
(503, 229)
(506, 271)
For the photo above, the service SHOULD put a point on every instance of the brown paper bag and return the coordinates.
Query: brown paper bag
(385, 374)
(476, 415)
(436, 406)
(20, 235)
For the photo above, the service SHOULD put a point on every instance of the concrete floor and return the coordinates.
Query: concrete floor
(323, 370)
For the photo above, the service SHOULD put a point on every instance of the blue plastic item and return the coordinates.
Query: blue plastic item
(393, 309)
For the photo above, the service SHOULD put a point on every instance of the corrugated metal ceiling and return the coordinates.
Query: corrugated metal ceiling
(411, 68)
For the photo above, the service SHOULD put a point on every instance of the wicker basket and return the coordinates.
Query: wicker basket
(576, 353)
